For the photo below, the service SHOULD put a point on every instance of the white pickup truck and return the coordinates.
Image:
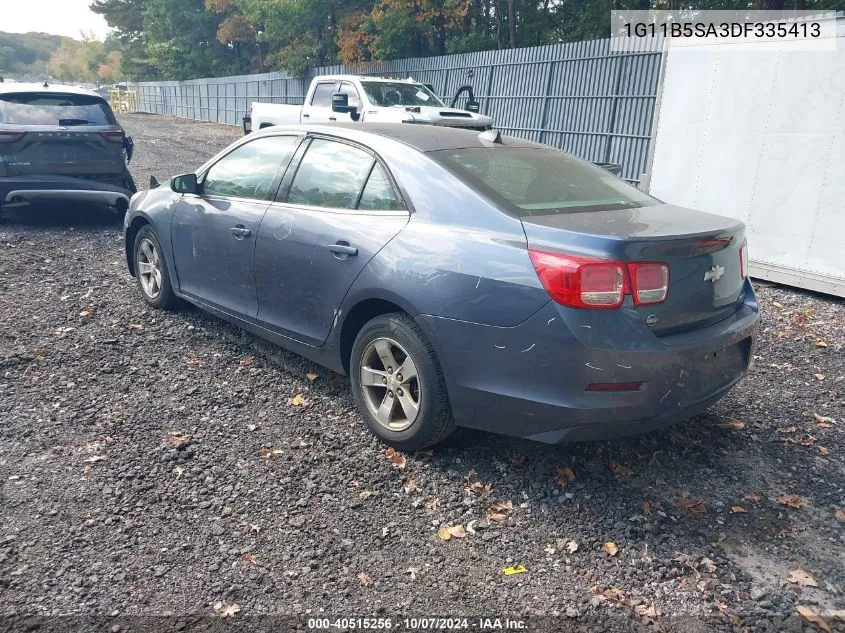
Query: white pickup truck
(366, 99)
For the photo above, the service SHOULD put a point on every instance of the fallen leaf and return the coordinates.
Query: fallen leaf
(193, 361)
(480, 489)
(550, 549)
(457, 531)
(614, 594)
(791, 501)
(432, 504)
(335, 383)
(311, 376)
(498, 512)
(753, 497)
(246, 361)
(693, 505)
(297, 400)
(821, 343)
(176, 438)
(620, 470)
(268, 453)
(611, 548)
(409, 485)
(226, 609)
(572, 547)
(93, 459)
(365, 494)
(510, 571)
(738, 510)
(804, 440)
(824, 421)
(802, 578)
(839, 513)
(250, 559)
(85, 313)
(565, 475)
(365, 579)
(443, 534)
(733, 423)
(812, 616)
(646, 611)
(787, 429)
(818, 376)
(470, 475)
(778, 305)
(398, 460)
(823, 450)
(646, 508)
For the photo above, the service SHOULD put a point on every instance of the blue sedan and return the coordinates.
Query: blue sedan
(458, 278)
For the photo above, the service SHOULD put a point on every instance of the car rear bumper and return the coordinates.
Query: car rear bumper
(531, 380)
(23, 190)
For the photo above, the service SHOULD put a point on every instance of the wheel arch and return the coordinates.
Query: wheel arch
(131, 231)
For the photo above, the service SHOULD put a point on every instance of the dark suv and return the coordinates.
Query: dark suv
(59, 143)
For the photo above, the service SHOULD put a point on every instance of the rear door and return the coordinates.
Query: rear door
(60, 135)
(319, 109)
(341, 209)
(213, 232)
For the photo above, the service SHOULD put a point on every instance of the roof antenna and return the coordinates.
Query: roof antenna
(46, 85)
(491, 136)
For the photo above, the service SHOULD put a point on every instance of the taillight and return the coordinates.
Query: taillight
(584, 282)
(580, 282)
(743, 259)
(649, 282)
(10, 137)
(114, 137)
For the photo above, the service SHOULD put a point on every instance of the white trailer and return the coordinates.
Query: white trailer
(759, 135)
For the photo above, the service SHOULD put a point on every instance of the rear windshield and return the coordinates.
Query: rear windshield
(32, 108)
(535, 181)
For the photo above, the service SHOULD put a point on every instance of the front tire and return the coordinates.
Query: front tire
(151, 271)
(398, 385)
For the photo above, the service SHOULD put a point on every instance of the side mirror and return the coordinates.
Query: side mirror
(473, 106)
(186, 183)
(340, 103)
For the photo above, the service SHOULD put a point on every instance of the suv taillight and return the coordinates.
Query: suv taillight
(584, 282)
(580, 282)
(114, 137)
(10, 137)
(743, 259)
(649, 282)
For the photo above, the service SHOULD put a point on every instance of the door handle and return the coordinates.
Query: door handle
(343, 249)
(331, 118)
(240, 232)
(306, 115)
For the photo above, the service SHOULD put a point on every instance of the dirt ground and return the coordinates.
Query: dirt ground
(151, 464)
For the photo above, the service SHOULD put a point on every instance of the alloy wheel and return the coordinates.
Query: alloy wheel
(149, 268)
(390, 384)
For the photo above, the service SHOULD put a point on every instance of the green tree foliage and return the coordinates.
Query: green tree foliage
(27, 55)
(176, 39)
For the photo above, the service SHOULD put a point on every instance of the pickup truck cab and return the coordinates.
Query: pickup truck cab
(366, 99)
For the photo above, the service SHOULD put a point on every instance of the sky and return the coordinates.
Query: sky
(59, 17)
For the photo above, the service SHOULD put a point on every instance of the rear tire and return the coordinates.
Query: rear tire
(408, 412)
(151, 271)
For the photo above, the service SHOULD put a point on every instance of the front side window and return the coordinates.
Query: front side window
(330, 175)
(323, 95)
(535, 181)
(379, 194)
(34, 108)
(249, 171)
(399, 93)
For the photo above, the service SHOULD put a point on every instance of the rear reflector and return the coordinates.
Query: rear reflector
(649, 282)
(614, 386)
(114, 137)
(10, 137)
(743, 259)
(580, 282)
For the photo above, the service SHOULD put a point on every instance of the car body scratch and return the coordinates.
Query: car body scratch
(530, 348)
(500, 346)
(591, 367)
(623, 366)
(549, 322)
(666, 395)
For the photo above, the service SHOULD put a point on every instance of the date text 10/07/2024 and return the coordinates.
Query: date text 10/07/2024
(419, 624)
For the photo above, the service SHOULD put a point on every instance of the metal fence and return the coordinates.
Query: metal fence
(580, 97)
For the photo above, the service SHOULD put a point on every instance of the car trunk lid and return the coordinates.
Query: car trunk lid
(702, 251)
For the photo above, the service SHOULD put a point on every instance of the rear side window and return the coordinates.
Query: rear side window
(33, 108)
(529, 181)
(379, 194)
(330, 175)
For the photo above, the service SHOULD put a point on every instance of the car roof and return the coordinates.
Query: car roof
(404, 80)
(424, 138)
(6, 88)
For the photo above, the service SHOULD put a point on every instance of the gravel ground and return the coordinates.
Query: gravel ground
(152, 464)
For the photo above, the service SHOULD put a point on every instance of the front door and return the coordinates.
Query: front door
(320, 108)
(341, 209)
(214, 230)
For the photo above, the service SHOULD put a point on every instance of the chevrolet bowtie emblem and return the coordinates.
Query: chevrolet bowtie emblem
(714, 274)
